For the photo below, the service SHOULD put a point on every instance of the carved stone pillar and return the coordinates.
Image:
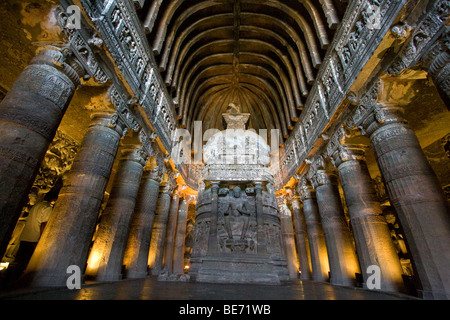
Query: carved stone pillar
(106, 256)
(156, 253)
(136, 252)
(170, 234)
(29, 116)
(439, 72)
(212, 243)
(341, 252)
(287, 234)
(301, 239)
(317, 247)
(260, 238)
(372, 236)
(178, 252)
(416, 195)
(69, 231)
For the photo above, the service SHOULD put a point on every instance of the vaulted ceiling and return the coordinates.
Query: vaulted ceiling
(260, 55)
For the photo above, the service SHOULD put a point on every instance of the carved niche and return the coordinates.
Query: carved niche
(236, 226)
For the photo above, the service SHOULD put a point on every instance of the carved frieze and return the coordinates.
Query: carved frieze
(82, 45)
(146, 140)
(361, 30)
(123, 35)
(123, 113)
(237, 173)
(289, 156)
(421, 37)
(365, 105)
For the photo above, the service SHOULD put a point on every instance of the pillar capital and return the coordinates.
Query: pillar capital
(437, 63)
(281, 199)
(295, 200)
(382, 115)
(434, 58)
(170, 184)
(305, 190)
(321, 172)
(189, 198)
(323, 177)
(429, 26)
(291, 195)
(110, 120)
(158, 167)
(153, 174)
(135, 153)
(61, 59)
(347, 152)
(147, 138)
(215, 185)
(258, 185)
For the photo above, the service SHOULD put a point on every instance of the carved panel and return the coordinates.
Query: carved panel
(236, 223)
(81, 44)
(421, 38)
(355, 41)
(124, 37)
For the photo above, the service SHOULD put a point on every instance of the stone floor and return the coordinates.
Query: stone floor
(152, 289)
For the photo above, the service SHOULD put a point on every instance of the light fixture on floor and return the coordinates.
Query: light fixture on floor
(4, 265)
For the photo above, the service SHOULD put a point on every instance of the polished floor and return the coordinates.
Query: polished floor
(152, 289)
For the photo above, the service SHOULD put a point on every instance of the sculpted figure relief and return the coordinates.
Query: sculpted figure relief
(237, 210)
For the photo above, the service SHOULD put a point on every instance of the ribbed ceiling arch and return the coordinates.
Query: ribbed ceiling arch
(262, 55)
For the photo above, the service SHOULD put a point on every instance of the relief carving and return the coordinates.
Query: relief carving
(236, 215)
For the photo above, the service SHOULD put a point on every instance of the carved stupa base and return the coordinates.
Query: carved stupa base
(245, 269)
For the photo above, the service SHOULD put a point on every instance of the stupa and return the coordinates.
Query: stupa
(237, 235)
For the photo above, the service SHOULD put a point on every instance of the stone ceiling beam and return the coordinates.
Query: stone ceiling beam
(260, 88)
(254, 58)
(152, 15)
(175, 42)
(262, 85)
(256, 71)
(286, 83)
(253, 98)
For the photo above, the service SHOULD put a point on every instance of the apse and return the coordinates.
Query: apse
(261, 55)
